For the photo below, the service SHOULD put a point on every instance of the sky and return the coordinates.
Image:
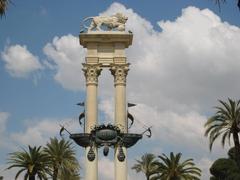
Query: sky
(184, 58)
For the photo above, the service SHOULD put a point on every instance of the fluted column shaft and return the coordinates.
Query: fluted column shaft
(91, 72)
(119, 71)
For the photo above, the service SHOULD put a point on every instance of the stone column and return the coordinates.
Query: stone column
(91, 71)
(119, 71)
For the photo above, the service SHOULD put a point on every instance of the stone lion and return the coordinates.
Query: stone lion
(116, 21)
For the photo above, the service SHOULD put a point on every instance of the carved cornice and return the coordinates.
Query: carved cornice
(119, 71)
(91, 72)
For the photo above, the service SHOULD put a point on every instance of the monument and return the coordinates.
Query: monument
(106, 41)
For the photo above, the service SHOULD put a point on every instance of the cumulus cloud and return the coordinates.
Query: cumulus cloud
(107, 106)
(188, 65)
(9, 174)
(67, 56)
(20, 62)
(106, 168)
(35, 135)
(204, 164)
(177, 74)
(172, 124)
(38, 131)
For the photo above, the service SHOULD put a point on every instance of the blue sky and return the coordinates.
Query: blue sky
(189, 58)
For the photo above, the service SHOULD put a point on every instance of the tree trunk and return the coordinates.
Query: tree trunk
(31, 177)
(55, 173)
(148, 177)
(237, 147)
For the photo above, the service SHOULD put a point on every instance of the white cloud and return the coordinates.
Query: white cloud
(9, 174)
(5, 145)
(177, 75)
(187, 126)
(106, 168)
(38, 131)
(192, 62)
(107, 106)
(204, 164)
(188, 65)
(19, 61)
(67, 56)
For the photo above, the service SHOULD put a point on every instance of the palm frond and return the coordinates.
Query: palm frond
(173, 168)
(148, 164)
(3, 6)
(224, 122)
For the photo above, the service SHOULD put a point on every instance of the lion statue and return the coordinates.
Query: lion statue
(116, 21)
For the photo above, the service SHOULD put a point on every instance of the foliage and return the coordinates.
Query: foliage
(57, 159)
(224, 1)
(173, 169)
(148, 165)
(225, 169)
(231, 154)
(62, 158)
(225, 123)
(3, 6)
(167, 168)
(33, 161)
(63, 175)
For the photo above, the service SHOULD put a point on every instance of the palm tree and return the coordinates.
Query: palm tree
(33, 161)
(225, 123)
(149, 165)
(224, 1)
(68, 175)
(62, 157)
(3, 6)
(173, 169)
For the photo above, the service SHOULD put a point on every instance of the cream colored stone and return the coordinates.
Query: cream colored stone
(119, 60)
(91, 172)
(120, 73)
(92, 50)
(119, 50)
(91, 167)
(116, 21)
(106, 49)
(120, 168)
(91, 71)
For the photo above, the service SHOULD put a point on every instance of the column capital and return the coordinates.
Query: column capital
(91, 72)
(119, 71)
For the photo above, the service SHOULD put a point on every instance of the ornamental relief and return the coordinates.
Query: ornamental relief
(91, 73)
(120, 73)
